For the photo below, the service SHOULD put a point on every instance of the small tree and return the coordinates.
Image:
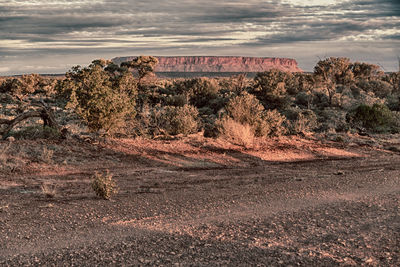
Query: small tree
(331, 72)
(270, 88)
(365, 71)
(394, 79)
(307, 86)
(103, 100)
(143, 64)
(199, 91)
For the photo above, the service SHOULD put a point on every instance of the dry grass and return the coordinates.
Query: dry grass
(3, 154)
(48, 190)
(7, 166)
(236, 133)
(46, 155)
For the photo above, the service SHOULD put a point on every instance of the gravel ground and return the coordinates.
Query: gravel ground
(319, 212)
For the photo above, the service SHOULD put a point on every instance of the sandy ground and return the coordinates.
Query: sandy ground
(201, 202)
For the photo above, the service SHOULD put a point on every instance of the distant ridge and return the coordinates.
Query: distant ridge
(219, 64)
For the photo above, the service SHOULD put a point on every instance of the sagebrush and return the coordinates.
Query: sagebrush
(103, 185)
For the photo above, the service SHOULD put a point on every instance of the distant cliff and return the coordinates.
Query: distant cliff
(220, 64)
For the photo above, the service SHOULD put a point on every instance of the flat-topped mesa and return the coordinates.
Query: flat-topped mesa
(219, 64)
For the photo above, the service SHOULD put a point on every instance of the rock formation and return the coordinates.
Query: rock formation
(219, 64)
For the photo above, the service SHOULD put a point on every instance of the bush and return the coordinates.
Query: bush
(197, 91)
(377, 118)
(304, 99)
(103, 100)
(103, 185)
(236, 83)
(235, 132)
(270, 87)
(274, 123)
(301, 120)
(332, 120)
(173, 120)
(379, 88)
(247, 110)
(14, 86)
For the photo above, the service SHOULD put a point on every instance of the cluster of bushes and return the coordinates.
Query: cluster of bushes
(338, 96)
(21, 87)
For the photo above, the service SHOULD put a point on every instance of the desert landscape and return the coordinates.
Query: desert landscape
(111, 165)
(200, 133)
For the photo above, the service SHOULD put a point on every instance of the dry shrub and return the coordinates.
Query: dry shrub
(235, 132)
(247, 110)
(103, 185)
(48, 190)
(36, 132)
(46, 155)
(236, 83)
(11, 157)
(274, 123)
(4, 166)
(304, 124)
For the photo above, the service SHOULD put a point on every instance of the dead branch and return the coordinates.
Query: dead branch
(44, 112)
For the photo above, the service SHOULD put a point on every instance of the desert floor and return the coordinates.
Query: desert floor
(196, 201)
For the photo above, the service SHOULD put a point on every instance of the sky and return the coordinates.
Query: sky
(42, 36)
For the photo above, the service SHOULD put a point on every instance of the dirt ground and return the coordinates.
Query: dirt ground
(202, 202)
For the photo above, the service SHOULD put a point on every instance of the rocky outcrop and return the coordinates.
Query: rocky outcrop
(220, 64)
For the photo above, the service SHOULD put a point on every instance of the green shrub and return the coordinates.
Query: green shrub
(301, 120)
(304, 99)
(270, 87)
(176, 100)
(103, 100)
(377, 118)
(173, 120)
(394, 80)
(332, 120)
(199, 91)
(103, 185)
(380, 88)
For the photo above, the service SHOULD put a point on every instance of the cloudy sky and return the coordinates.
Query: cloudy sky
(43, 36)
